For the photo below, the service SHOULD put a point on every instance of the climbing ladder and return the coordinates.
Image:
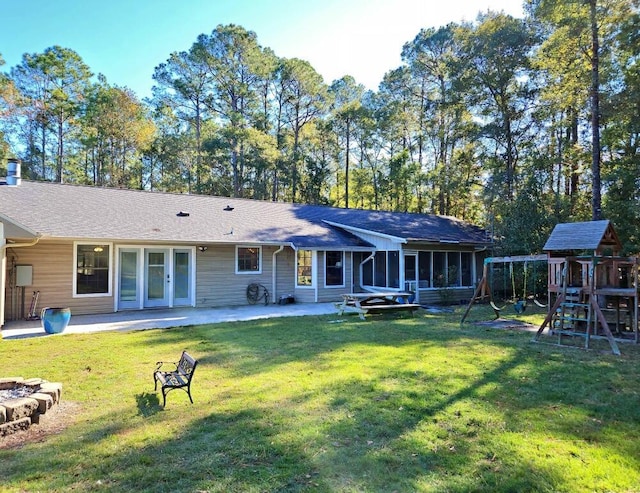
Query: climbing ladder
(572, 317)
(576, 313)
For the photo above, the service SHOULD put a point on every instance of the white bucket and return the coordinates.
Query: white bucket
(13, 173)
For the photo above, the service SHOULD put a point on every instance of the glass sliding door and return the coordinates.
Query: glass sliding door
(128, 285)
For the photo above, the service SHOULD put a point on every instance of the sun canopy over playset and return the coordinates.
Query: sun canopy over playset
(591, 292)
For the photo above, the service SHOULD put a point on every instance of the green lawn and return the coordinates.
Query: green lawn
(333, 404)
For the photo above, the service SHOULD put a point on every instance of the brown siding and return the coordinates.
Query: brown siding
(53, 276)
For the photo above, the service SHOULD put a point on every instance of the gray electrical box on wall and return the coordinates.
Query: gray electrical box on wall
(24, 275)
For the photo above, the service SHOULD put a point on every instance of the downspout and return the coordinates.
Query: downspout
(370, 257)
(274, 272)
(3, 267)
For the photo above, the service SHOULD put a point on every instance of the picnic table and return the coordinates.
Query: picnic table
(378, 302)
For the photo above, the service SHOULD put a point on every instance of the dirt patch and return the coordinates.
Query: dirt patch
(506, 324)
(57, 419)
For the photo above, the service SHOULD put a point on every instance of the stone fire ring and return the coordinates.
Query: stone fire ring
(34, 397)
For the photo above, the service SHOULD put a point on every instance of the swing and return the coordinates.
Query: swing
(504, 285)
(535, 296)
(521, 304)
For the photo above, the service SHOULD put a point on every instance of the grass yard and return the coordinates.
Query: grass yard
(333, 405)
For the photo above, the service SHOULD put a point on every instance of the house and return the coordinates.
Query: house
(99, 250)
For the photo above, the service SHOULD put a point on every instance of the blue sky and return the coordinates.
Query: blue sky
(126, 39)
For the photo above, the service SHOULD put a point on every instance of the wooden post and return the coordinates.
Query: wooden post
(478, 293)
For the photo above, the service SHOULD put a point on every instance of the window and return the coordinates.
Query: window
(424, 269)
(92, 269)
(393, 263)
(248, 260)
(453, 269)
(367, 273)
(409, 268)
(383, 271)
(439, 269)
(466, 268)
(380, 269)
(305, 268)
(334, 269)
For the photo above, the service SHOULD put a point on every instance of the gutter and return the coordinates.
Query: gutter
(19, 245)
(370, 257)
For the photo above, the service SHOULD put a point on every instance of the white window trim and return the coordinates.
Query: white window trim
(109, 292)
(249, 272)
(332, 286)
(192, 274)
(314, 270)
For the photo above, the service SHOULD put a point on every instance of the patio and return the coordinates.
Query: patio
(165, 318)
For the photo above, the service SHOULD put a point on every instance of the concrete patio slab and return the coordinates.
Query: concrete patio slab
(165, 318)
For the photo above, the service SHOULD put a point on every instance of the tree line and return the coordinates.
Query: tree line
(513, 124)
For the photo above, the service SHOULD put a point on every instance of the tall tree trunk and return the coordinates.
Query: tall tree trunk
(60, 153)
(596, 207)
(44, 151)
(294, 164)
(198, 149)
(234, 167)
(346, 166)
(575, 174)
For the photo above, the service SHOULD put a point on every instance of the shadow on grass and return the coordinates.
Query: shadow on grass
(433, 415)
(231, 452)
(423, 429)
(264, 344)
(148, 404)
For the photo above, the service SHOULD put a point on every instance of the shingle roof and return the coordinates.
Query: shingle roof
(14, 230)
(588, 235)
(81, 212)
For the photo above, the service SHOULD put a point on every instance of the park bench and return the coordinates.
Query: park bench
(177, 378)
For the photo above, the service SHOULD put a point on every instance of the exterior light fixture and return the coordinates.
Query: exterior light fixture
(228, 208)
(182, 214)
(203, 248)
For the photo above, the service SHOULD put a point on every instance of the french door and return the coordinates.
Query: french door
(155, 277)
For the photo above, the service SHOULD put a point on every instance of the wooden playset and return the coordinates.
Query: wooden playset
(592, 291)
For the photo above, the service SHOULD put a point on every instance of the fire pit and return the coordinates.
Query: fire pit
(22, 402)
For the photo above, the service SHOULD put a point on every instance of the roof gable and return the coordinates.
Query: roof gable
(14, 230)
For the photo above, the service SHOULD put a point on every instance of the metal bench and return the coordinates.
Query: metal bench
(178, 378)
